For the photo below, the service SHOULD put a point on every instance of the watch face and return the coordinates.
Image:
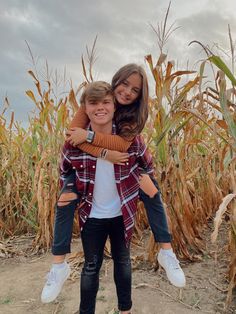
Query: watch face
(90, 136)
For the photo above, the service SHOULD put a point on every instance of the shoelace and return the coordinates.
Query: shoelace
(51, 278)
(173, 262)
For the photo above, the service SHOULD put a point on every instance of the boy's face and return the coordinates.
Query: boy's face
(100, 112)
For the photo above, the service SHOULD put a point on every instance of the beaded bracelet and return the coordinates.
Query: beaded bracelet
(104, 153)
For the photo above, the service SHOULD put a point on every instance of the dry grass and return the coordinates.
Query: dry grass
(191, 133)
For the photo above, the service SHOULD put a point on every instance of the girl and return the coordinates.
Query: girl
(130, 88)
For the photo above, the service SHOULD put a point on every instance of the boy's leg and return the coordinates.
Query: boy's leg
(158, 223)
(122, 264)
(93, 238)
(64, 217)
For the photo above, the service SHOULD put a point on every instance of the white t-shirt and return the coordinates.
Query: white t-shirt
(106, 200)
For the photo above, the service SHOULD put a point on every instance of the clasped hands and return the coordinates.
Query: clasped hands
(76, 136)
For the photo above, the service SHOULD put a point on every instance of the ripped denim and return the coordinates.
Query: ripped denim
(94, 236)
(64, 218)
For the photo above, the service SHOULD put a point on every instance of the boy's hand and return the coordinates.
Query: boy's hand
(76, 136)
(117, 157)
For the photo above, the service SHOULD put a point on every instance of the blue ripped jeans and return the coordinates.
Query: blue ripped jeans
(65, 215)
(94, 236)
(63, 224)
(156, 215)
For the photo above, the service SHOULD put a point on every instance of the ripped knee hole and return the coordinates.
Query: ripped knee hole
(66, 198)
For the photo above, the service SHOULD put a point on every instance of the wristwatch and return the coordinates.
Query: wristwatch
(90, 136)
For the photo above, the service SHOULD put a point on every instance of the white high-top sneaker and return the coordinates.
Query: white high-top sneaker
(167, 259)
(55, 280)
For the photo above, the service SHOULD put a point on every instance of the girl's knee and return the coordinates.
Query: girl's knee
(66, 198)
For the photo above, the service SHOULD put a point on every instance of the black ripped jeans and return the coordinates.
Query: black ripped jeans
(94, 236)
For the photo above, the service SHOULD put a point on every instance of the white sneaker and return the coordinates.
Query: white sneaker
(167, 259)
(55, 280)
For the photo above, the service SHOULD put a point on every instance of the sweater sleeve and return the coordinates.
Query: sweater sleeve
(112, 142)
(90, 149)
(80, 119)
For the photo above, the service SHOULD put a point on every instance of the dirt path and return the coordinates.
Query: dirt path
(22, 278)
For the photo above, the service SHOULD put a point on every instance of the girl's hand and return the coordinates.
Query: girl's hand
(147, 185)
(76, 136)
(117, 157)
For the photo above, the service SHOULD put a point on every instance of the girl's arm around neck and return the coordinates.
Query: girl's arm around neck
(80, 119)
(112, 142)
(90, 149)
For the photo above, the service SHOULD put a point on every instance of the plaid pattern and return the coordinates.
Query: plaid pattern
(127, 179)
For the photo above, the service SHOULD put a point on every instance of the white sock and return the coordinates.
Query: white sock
(168, 251)
(59, 265)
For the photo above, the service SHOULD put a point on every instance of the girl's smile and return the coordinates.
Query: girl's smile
(128, 90)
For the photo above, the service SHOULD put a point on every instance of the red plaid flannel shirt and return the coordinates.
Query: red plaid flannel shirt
(126, 176)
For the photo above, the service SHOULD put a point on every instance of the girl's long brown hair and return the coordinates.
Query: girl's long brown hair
(130, 119)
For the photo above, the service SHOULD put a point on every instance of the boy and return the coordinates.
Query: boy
(109, 200)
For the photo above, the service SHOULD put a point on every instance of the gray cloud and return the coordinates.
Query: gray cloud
(59, 31)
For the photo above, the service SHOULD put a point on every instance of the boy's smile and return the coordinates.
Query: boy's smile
(100, 113)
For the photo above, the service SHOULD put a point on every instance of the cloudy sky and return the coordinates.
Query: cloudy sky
(58, 31)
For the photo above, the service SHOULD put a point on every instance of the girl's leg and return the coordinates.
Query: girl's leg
(151, 197)
(64, 217)
(93, 238)
(122, 264)
(158, 223)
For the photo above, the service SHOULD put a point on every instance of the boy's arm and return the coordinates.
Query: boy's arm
(65, 163)
(145, 159)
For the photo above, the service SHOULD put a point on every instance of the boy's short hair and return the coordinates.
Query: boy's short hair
(96, 91)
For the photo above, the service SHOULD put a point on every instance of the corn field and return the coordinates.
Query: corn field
(191, 133)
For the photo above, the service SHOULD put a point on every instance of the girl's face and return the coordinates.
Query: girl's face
(129, 90)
